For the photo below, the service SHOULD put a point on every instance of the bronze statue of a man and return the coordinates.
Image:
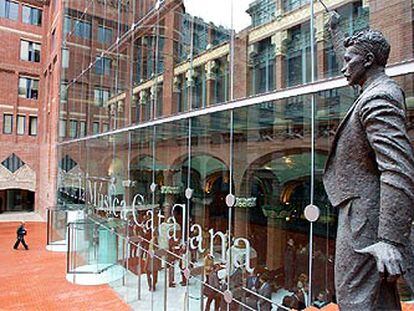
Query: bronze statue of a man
(369, 177)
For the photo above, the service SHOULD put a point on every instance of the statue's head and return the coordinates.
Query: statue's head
(365, 51)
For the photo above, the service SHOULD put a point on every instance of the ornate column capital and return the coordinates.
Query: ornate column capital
(121, 105)
(189, 76)
(251, 53)
(320, 25)
(112, 109)
(279, 41)
(176, 84)
(153, 91)
(209, 68)
(143, 97)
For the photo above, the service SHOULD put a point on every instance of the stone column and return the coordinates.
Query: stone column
(279, 41)
(251, 51)
(120, 113)
(153, 98)
(176, 94)
(210, 68)
(189, 79)
(143, 100)
(112, 115)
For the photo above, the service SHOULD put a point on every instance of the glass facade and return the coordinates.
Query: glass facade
(194, 148)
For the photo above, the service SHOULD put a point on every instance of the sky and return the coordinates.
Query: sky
(218, 12)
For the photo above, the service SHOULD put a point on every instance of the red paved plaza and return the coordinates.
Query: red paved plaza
(35, 279)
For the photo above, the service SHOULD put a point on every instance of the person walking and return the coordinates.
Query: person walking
(21, 232)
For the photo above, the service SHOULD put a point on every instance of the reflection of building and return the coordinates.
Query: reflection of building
(140, 114)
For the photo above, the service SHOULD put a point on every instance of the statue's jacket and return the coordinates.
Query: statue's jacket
(371, 162)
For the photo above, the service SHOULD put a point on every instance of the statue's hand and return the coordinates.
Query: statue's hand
(388, 257)
(334, 20)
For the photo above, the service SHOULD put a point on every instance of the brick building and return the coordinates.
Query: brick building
(28, 103)
(140, 99)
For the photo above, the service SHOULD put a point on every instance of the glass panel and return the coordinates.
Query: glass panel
(7, 123)
(24, 50)
(32, 126)
(3, 8)
(73, 129)
(132, 64)
(62, 128)
(13, 10)
(21, 125)
(31, 16)
(26, 12)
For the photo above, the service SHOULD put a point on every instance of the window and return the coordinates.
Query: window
(67, 25)
(12, 163)
(67, 163)
(32, 126)
(65, 58)
(103, 66)
(62, 128)
(159, 101)
(21, 125)
(9, 9)
(101, 96)
(105, 127)
(29, 51)
(82, 29)
(32, 16)
(182, 95)
(298, 61)
(198, 91)
(95, 129)
(28, 88)
(104, 34)
(64, 92)
(221, 83)
(73, 130)
(82, 131)
(262, 11)
(263, 62)
(7, 123)
(289, 5)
